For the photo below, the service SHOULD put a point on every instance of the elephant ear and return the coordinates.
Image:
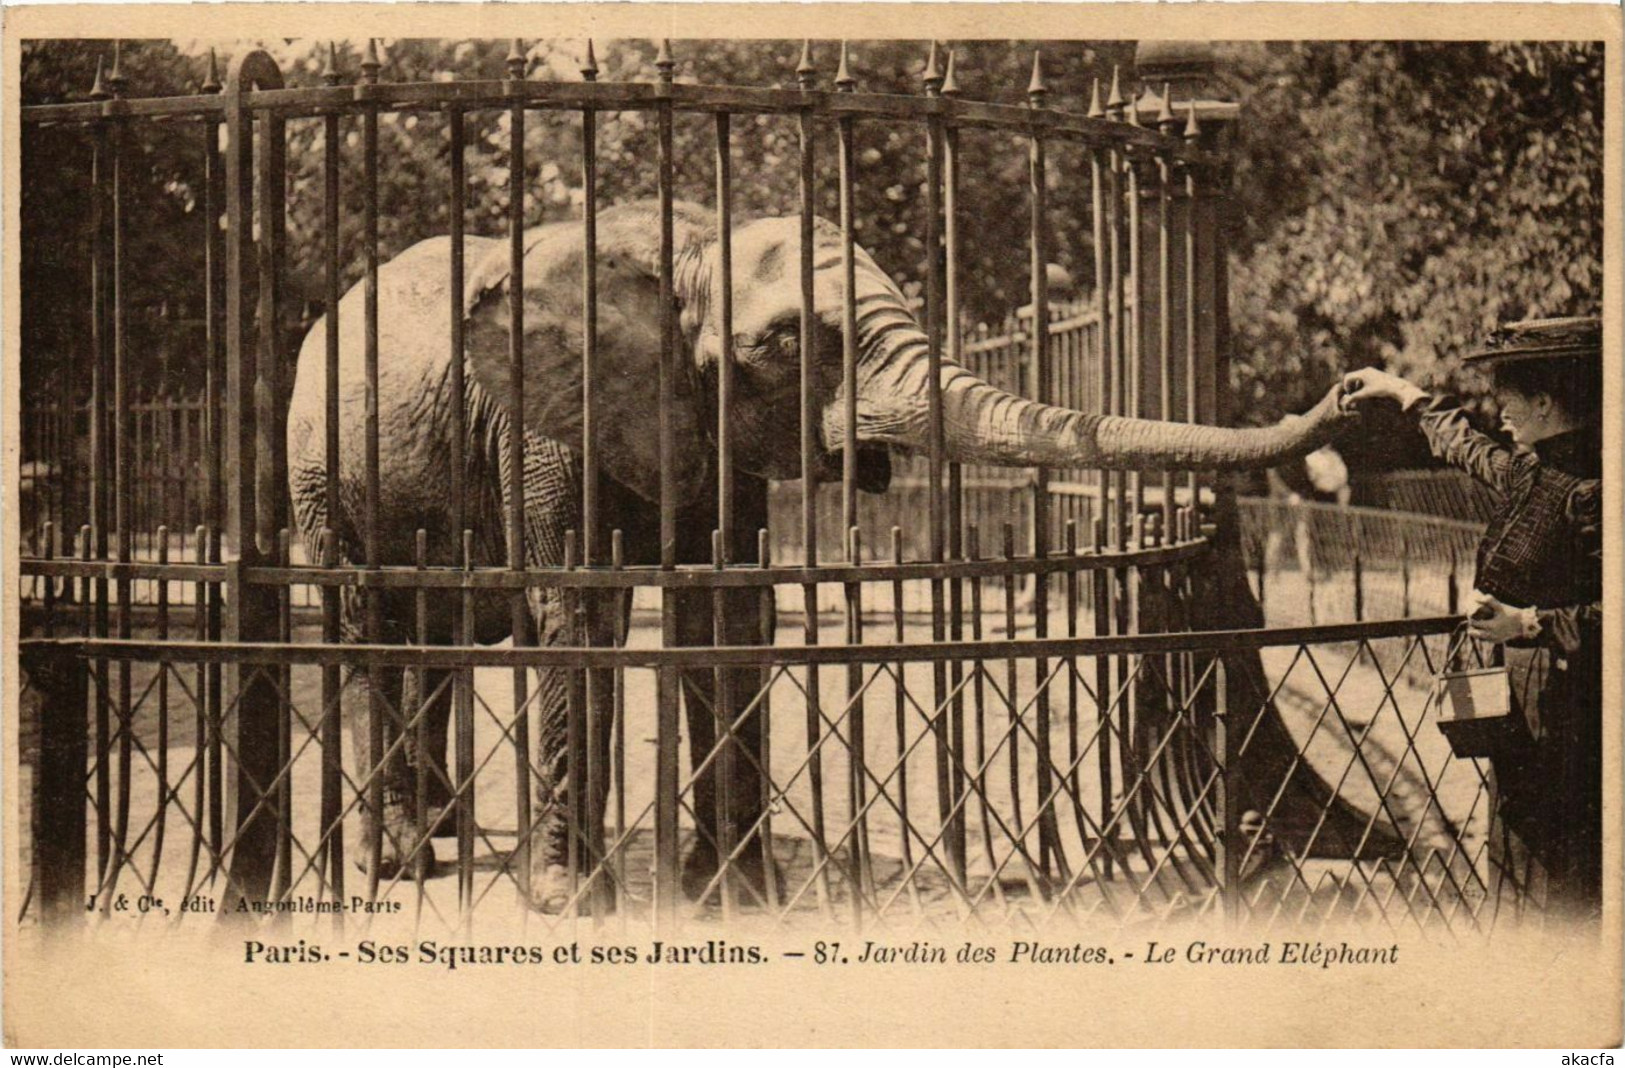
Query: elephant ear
(628, 358)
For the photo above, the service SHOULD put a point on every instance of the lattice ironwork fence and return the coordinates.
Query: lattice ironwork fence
(1077, 780)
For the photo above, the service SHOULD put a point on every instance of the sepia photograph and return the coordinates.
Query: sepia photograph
(1095, 506)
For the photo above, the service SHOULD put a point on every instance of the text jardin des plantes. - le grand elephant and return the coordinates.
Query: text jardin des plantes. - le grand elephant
(982, 425)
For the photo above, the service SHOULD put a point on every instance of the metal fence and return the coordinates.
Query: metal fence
(1061, 780)
(933, 747)
(1313, 562)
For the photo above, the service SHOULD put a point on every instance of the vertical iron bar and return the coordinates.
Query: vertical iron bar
(161, 817)
(941, 718)
(1227, 799)
(849, 327)
(809, 467)
(459, 388)
(332, 730)
(330, 227)
(124, 459)
(618, 755)
(1404, 575)
(201, 724)
(1100, 579)
(667, 774)
(462, 629)
(373, 599)
(860, 873)
(590, 550)
(1118, 523)
(519, 620)
(1136, 333)
(575, 735)
(722, 731)
(973, 552)
(1043, 390)
(1103, 309)
(900, 713)
(465, 742)
(58, 816)
(1194, 300)
(946, 135)
(421, 857)
(270, 439)
(589, 330)
(281, 878)
(48, 551)
(767, 621)
(1165, 355)
(332, 681)
(725, 310)
(251, 607)
(857, 834)
(1359, 580)
(214, 406)
(93, 621)
(723, 549)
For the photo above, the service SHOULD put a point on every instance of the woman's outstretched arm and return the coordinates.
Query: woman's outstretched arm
(1451, 436)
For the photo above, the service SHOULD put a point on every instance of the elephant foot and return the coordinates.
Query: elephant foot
(552, 893)
(748, 875)
(550, 890)
(400, 831)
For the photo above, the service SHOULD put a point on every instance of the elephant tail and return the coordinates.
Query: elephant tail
(308, 485)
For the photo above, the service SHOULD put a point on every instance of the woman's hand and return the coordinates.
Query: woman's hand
(1372, 384)
(1496, 621)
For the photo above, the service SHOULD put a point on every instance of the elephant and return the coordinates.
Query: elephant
(981, 425)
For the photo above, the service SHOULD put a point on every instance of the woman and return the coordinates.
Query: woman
(1539, 592)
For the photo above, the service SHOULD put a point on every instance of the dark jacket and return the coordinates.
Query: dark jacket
(1543, 549)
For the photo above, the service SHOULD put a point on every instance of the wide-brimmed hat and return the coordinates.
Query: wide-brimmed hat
(1578, 337)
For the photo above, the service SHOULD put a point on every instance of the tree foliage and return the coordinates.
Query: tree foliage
(1401, 198)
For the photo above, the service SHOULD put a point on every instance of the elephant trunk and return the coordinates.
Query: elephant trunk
(983, 424)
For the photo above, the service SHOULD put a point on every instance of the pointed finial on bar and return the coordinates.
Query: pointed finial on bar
(1133, 110)
(589, 65)
(211, 77)
(1165, 111)
(950, 83)
(1114, 99)
(370, 63)
(932, 75)
(843, 73)
(330, 74)
(1036, 89)
(98, 90)
(115, 77)
(1192, 130)
(663, 61)
(1095, 110)
(515, 60)
(805, 71)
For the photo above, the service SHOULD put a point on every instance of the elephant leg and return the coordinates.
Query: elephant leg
(378, 706)
(724, 747)
(574, 716)
(425, 746)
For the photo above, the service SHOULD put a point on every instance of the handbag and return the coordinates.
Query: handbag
(1475, 707)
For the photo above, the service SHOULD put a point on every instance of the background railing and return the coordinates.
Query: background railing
(1316, 563)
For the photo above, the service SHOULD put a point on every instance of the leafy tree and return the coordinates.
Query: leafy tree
(1401, 198)
(164, 225)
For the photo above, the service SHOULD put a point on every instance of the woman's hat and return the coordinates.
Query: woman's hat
(1540, 339)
